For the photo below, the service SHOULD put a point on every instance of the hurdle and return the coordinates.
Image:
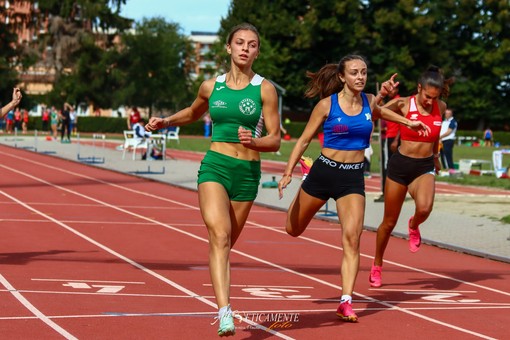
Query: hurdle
(21, 139)
(91, 159)
(36, 144)
(326, 211)
(154, 140)
(15, 138)
(148, 171)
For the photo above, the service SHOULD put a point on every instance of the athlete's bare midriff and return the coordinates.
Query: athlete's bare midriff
(344, 156)
(416, 149)
(236, 150)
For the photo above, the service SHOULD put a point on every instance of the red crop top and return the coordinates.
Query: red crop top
(433, 121)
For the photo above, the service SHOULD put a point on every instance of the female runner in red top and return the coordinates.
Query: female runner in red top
(413, 167)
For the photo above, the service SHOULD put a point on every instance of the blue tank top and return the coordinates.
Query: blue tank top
(344, 132)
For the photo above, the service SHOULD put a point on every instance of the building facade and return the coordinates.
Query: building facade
(201, 61)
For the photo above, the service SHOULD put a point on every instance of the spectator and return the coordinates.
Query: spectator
(9, 121)
(66, 124)
(488, 137)
(447, 137)
(18, 120)
(140, 133)
(24, 121)
(45, 119)
(73, 121)
(133, 117)
(54, 120)
(207, 125)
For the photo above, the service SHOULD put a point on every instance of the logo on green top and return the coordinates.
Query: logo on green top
(247, 106)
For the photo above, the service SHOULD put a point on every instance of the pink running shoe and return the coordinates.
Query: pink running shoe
(345, 312)
(375, 277)
(414, 237)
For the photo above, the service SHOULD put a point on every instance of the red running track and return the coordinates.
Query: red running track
(90, 253)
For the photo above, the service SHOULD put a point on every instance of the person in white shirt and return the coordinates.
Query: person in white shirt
(140, 133)
(447, 137)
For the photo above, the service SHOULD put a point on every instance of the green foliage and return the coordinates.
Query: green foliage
(469, 40)
(485, 181)
(7, 60)
(101, 13)
(506, 219)
(150, 66)
(101, 124)
(76, 51)
(202, 144)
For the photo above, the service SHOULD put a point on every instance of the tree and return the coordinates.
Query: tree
(151, 66)
(91, 80)
(10, 59)
(468, 39)
(71, 20)
(278, 22)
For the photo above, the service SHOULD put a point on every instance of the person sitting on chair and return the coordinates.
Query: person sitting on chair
(141, 134)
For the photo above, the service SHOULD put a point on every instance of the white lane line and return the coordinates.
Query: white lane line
(423, 290)
(85, 280)
(25, 220)
(254, 258)
(259, 259)
(248, 222)
(208, 314)
(95, 281)
(60, 205)
(481, 305)
(265, 286)
(122, 257)
(38, 314)
(386, 261)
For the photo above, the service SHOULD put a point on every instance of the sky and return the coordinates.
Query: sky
(191, 15)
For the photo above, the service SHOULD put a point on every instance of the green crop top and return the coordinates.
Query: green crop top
(230, 109)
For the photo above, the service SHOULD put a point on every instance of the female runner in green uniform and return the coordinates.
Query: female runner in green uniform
(240, 103)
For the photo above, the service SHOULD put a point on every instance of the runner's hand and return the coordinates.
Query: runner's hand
(286, 179)
(245, 136)
(389, 87)
(420, 127)
(154, 124)
(16, 95)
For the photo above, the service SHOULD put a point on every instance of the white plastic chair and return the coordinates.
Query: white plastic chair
(173, 134)
(133, 142)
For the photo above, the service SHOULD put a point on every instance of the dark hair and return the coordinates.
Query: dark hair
(242, 27)
(325, 82)
(434, 77)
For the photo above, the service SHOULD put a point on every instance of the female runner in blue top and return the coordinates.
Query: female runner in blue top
(346, 114)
